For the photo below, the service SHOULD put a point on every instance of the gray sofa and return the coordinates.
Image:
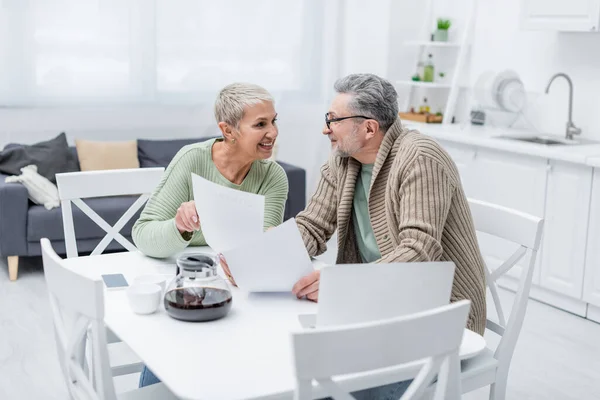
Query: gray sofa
(23, 224)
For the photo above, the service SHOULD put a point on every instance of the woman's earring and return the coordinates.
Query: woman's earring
(233, 141)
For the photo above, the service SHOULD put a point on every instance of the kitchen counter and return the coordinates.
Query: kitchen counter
(593, 162)
(560, 183)
(487, 137)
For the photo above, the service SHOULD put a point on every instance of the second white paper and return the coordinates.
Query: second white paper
(228, 217)
(273, 262)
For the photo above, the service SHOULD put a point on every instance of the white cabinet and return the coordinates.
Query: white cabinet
(513, 181)
(561, 15)
(591, 287)
(463, 156)
(566, 195)
(565, 228)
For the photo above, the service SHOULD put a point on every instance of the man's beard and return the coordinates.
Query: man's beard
(350, 145)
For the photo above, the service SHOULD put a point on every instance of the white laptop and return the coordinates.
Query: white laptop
(354, 293)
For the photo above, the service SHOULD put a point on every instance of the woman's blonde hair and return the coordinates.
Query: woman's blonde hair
(232, 99)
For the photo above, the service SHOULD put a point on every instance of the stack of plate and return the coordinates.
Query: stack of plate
(503, 90)
(501, 95)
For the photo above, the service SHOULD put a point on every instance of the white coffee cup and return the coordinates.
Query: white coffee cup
(157, 279)
(144, 298)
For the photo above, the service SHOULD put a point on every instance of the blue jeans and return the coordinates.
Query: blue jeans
(386, 392)
(393, 391)
(147, 378)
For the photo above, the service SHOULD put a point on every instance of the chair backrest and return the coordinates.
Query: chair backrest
(75, 186)
(77, 305)
(354, 293)
(526, 231)
(433, 336)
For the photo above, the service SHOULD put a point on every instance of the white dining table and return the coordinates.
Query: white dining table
(246, 355)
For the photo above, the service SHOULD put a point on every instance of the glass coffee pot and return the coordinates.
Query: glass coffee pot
(197, 293)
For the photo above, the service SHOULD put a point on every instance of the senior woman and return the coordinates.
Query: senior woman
(246, 116)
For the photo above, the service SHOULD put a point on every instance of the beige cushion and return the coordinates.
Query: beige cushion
(39, 188)
(95, 156)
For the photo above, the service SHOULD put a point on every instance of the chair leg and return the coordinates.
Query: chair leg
(498, 390)
(13, 267)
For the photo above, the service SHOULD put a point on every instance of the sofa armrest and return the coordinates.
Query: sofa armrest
(297, 193)
(14, 205)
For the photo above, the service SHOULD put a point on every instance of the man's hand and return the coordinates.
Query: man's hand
(308, 286)
(186, 218)
(226, 269)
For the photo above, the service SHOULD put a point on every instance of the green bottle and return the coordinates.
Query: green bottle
(428, 71)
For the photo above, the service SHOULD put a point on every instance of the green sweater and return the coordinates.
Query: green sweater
(155, 233)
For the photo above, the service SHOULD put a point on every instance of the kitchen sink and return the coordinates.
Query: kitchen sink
(551, 140)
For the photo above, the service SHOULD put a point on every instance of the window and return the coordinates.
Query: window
(55, 52)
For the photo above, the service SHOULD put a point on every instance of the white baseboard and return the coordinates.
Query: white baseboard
(593, 313)
(569, 304)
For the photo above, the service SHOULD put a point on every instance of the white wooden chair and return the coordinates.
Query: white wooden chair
(75, 186)
(433, 335)
(77, 305)
(491, 367)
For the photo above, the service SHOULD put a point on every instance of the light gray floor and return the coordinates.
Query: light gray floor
(557, 357)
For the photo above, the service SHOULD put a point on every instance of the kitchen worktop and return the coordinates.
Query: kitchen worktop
(487, 137)
(593, 162)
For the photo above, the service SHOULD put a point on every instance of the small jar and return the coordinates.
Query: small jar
(197, 293)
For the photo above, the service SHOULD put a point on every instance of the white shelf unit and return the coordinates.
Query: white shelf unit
(425, 84)
(432, 44)
(462, 46)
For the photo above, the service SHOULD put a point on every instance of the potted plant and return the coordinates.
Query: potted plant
(441, 75)
(441, 33)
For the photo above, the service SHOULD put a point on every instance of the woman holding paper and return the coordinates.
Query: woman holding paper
(246, 116)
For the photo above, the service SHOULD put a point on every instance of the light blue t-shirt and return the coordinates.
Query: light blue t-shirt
(365, 238)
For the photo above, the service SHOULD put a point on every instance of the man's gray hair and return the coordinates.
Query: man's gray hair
(233, 98)
(373, 97)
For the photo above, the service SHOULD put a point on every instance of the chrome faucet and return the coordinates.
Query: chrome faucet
(571, 128)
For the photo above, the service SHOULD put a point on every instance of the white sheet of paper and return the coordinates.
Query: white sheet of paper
(228, 217)
(272, 262)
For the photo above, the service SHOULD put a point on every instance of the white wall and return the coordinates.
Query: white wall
(367, 39)
(536, 56)
(500, 44)
(26, 125)
(373, 36)
(299, 140)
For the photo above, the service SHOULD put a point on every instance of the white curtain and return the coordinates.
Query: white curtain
(65, 52)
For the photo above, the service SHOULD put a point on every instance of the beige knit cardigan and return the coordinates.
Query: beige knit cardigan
(418, 211)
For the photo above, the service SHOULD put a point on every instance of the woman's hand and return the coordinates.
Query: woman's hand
(187, 219)
(226, 269)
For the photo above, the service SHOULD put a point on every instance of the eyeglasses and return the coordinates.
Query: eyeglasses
(329, 121)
